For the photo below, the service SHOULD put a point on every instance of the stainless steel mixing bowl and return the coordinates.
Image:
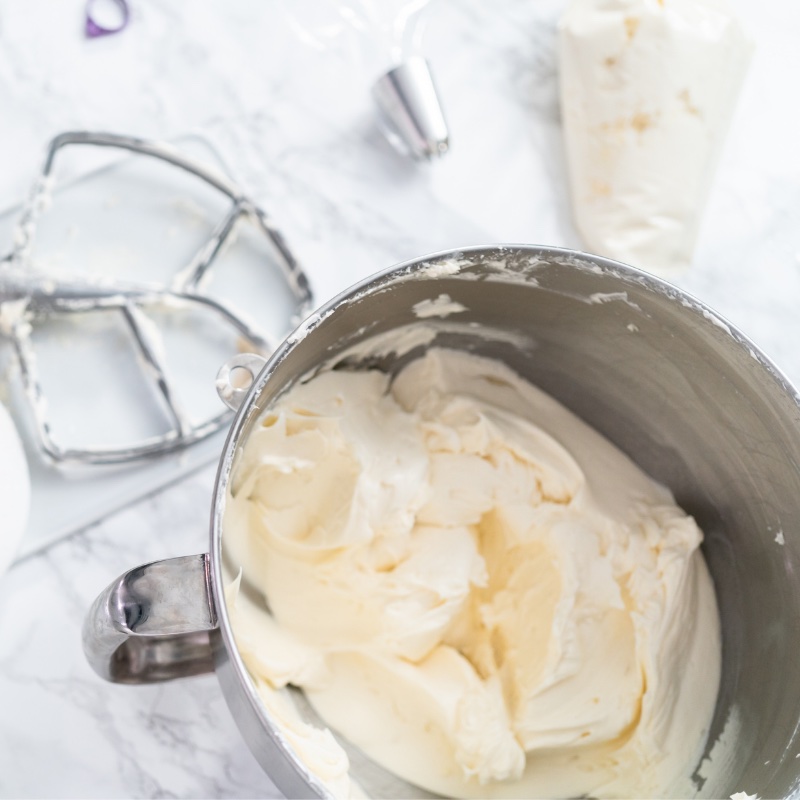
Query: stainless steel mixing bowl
(684, 393)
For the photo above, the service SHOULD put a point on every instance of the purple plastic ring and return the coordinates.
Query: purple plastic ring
(93, 29)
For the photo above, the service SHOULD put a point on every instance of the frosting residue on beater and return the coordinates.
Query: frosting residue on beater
(473, 586)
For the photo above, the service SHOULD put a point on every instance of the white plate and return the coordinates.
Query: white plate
(15, 490)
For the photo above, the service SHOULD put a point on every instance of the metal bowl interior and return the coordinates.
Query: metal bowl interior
(679, 390)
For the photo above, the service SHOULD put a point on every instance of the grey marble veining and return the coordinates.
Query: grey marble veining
(292, 117)
(64, 732)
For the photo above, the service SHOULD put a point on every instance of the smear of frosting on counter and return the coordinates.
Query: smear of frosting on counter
(473, 586)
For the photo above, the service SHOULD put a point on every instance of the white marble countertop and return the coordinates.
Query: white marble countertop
(292, 116)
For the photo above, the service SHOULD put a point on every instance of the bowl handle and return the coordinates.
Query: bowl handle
(154, 623)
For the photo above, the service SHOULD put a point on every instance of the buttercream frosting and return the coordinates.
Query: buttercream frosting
(648, 88)
(472, 586)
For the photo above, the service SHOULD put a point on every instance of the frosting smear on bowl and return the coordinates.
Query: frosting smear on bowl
(472, 586)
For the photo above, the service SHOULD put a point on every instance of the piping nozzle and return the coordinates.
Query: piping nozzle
(410, 109)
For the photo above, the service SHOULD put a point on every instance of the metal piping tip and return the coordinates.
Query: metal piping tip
(411, 111)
